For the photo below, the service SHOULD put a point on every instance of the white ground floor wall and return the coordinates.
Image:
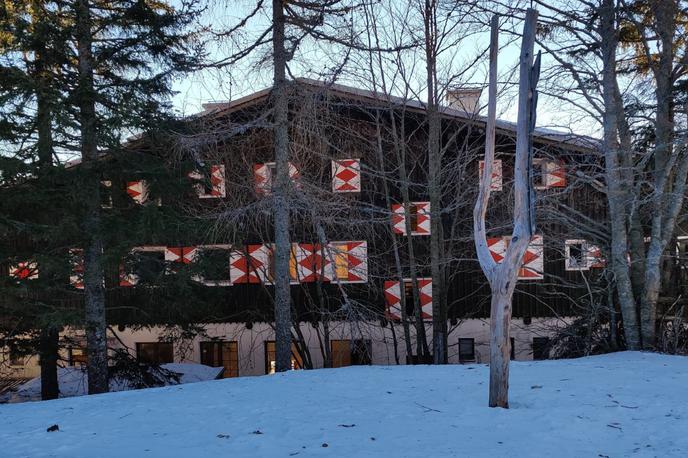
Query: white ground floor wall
(251, 342)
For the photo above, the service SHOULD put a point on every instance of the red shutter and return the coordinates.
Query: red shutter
(392, 300)
(556, 174)
(346, 175)
(398, 219)
(423, 222)
(496, 184)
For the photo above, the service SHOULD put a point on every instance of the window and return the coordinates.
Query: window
(210, 182)
(154, 352)
(221, 354)
(393, 292)
(351, 352)
(581, 255)
(419, 218)
(77, 356)
(16, 357)
(347, 262)
(272, 273)
(408, 298)
(270, 352)
(548, 174)
(540, 348)
(214, 263)
(264, 176)
(539, 174)
(466, 349)
(346, 175)
(106, 194)
(144, 264)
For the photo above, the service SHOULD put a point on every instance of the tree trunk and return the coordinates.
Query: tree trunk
(280, 193)
(503, 276)
(617, 186)
(94, 290)
(49, 334)
(49, 347)
(439, 318)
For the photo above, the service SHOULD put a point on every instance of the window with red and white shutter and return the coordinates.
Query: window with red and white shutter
(548, 173)
(393, 291)
(419, 218)
(533, 259)
(211, 186)
(264, 177)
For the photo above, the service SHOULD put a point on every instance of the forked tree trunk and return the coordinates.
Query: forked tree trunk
(503, 276)
(94, 289)
(280, 193)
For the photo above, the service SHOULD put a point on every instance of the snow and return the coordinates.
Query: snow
(73, 381)
(623, 404)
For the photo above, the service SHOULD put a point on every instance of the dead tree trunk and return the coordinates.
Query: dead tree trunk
(502, 277)
(280, 193)
(94, 290)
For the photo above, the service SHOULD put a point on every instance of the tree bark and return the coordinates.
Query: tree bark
(280, 193)
(502, 277)
(439, 315)
(49, 347)
(617, 185)
(94, 290)
(49, 335)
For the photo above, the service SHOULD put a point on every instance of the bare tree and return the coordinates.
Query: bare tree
(503, 276)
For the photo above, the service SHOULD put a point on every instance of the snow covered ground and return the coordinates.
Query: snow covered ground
(624, 404)
(73, 381)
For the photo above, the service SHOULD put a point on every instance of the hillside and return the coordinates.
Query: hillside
(625, 404)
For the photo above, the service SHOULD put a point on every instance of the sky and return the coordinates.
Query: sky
(316, 59)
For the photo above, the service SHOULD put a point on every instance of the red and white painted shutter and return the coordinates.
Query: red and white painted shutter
(26, 270)
(496, 184)
(217, 183)
(184, 255)
(595, 258)
(217, 180)
(556, 174)
(76, 271)
(497, 247)
(392, 300)
(533, 261)
(425, 297)
(294, 175)
(322, 263)
(261, 179)
(346, 175)
(305, 262)
(398, 219)
(259, 263)
(423, 221)
(247, 266)
(358, 261)
(138, 191)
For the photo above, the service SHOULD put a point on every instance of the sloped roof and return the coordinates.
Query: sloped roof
(542, 134)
